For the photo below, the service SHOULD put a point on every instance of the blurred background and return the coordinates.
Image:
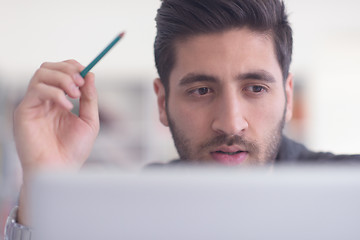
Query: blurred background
(326, 65)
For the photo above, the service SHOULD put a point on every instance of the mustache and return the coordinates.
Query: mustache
(230, 140)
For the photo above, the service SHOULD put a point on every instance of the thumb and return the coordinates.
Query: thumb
(89, 111)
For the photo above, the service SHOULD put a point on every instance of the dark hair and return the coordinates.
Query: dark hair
(178, 19)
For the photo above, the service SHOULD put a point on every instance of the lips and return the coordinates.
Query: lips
(229, 155)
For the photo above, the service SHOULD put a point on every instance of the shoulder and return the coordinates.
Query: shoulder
(292, 151)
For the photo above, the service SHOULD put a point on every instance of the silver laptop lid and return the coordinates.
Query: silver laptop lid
(288, 203)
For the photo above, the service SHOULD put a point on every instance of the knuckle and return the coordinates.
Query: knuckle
(38, 71)
(73, 61)
(69, 69)
(75, 64)
(37, 76)
(44, 64)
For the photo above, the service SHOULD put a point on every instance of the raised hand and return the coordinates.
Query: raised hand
(46, 133)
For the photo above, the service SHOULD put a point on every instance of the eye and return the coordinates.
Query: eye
(256, 89)
(201, 91)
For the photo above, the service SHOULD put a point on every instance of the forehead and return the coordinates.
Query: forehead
(226, 54)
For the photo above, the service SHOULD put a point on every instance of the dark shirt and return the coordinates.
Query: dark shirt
(293, 152)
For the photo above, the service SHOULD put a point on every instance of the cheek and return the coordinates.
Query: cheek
(265, 116)
(192, 121)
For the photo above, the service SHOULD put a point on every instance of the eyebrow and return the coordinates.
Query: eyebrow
(193, 78)
(253, 75)
(257, 75)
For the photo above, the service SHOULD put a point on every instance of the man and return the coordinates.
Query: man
(224, 89)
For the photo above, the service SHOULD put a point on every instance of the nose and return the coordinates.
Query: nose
(229, 115)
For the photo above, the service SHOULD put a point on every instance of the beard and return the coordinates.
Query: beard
(261, 153)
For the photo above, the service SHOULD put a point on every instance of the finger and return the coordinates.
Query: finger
(75, 63)
(42, 93)
(56, 79)
(70, 67)
(89, 111)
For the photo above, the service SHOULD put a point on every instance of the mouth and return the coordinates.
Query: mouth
(229, 156)
(229, 153)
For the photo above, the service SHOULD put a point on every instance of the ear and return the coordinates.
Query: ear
(289, 91)
(160, 93)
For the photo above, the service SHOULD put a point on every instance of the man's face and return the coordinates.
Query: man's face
(227, 101)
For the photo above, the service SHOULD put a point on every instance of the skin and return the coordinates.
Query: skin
(227, 101)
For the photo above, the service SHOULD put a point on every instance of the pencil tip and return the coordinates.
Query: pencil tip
(121, 34)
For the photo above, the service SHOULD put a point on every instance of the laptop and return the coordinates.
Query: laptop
(192, 204)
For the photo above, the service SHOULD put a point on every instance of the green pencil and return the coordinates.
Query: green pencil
(102, 54)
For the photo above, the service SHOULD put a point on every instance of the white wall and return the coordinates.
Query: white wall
(33, 31)
(326, 54)
(327, 59)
